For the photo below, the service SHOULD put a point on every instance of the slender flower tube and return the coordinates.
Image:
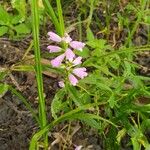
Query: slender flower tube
(77, 61)
(56, 62)
(69, 55)
(78, 147)
(54, 37)
(80, 72)
(67, 38)
(61, 84)
(53, 49)
(73, 80)
(77, 45)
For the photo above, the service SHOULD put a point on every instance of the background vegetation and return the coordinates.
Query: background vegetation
(113, 100)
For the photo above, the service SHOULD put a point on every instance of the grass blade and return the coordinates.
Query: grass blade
(42, 107)
(52, 15)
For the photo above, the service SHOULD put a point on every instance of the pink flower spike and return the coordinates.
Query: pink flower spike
(54, 37)
(56, 62)
(77, 61)
(53, 49)
(61, 84)
(77, 45)
(67, 38)
(80, 72)
(69, 55)
(73, 80)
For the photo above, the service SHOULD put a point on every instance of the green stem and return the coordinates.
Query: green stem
(60, 16)
(91, 13)
(35, 23)
(52, 15)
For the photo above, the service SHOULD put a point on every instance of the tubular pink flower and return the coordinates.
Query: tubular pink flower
(54, 37)
(56, 62)
(73, 80)
(53, 49)
(67, 38)
(78, 147)
(77, 45)
(77, 61)
(69, 55)
(61, 84)
(80, 72)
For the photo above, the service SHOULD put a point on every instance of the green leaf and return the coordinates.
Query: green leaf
(91, 119)
(3, 89)
(3, 30)
(112, 101)
(97, 43)
(147, 19)
(4, 16)
(20, 6)
(85, 53)
(16, 19)
(120, 135)
(145, 125)
(22, 29)
(114, 61)
(74, 95)
(94, 80)
(89, 34)
(57, 102)
(88, 120)
(135, 143)
(3, 73)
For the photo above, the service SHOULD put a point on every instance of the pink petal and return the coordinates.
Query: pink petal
(80, 72)
(77, 45)
(53, 49)
(77, 61)
(61, 84)
(54, 37)
(67, 38)
(78, 147)
(69, 55)
(73, 80)
(56, 62)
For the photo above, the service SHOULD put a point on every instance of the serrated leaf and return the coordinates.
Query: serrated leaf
(89, 35)
(114, 61)
(91, 119)
(16, 19)
(95, 81)
(147, 19)
(120, 135)
(3, 30)
(20, 6)
(3, 73)
(112, 101)
(135, 143)
(22, 29)
(57, 102)
(3, 89)
(74, 95)
(97, 43)
(4, 16)
(85, 53)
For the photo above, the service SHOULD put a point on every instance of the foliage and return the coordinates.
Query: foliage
(109, 98)
(15, 23)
